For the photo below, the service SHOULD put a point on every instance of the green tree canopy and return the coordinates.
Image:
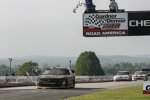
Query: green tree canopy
(88, 64)
(28, 67)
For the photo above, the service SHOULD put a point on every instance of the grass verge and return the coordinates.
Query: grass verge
(128, 93)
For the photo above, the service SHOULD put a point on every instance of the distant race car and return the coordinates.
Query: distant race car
(123, 76)
(56, 77)
(140, 75)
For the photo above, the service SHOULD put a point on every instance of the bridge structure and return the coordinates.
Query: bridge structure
(114, 21)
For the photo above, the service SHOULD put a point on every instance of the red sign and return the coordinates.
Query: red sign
(146, 88)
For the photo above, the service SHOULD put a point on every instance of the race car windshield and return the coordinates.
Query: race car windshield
(56, 72)
(123, 73)
(140, 72)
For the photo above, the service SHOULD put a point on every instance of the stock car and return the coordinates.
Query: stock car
(123, 76)
(140, 75)
(56, 78)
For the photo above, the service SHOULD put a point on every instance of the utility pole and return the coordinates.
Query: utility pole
(70, 64)
(10, 60)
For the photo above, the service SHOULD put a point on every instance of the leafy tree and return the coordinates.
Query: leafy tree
(30, 68)
(88, 64)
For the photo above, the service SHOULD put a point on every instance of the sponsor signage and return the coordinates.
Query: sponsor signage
(146, 87)
(139, 23)
(105, 24)
(116, 24)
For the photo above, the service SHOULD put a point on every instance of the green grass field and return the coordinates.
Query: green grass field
(128, 93)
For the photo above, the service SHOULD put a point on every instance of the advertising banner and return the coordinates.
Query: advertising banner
(130, 23)
(139, 23)
(146, 87)
(105, 24)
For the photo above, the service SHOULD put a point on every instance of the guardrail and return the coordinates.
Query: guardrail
(17, 79)
(8, 81)
(11, 81)
(80, 79)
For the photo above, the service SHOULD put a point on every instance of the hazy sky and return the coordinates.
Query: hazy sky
(50, 28)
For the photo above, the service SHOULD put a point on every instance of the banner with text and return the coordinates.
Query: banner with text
(105, 24)
(139, 23)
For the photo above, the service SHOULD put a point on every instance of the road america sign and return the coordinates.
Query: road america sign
(107, 24)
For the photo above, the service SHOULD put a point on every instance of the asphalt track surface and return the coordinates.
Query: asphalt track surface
(31, 93)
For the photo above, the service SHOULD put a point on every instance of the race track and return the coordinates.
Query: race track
(31, 93)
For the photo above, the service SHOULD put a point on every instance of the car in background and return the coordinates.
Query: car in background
(123, 76)
(140, 75)
(56, 77)
(147, 70)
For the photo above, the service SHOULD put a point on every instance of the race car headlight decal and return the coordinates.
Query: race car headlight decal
(115, 77)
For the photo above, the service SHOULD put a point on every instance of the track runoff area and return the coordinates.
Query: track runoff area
(31, 92)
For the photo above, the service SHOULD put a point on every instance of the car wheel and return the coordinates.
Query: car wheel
(67, 84)
(145, 79)
(130, 79)
(73, 84)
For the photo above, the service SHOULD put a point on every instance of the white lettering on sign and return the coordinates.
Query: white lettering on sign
(105, 33)
(114, 33)
(105, 16)
(136, 23)
(93, 33)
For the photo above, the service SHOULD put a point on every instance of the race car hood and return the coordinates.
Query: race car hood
(53, 76)
(139, 75)
(121, 75)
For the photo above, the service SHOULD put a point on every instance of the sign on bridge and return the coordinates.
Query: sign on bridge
(105, 24)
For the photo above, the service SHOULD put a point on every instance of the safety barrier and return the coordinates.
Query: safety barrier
(11, 81)
(8, 81)
(80, 79)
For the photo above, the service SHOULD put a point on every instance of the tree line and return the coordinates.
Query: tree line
(124, 66)
(87, 64)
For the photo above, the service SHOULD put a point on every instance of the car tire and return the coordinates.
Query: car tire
(73, 84)
(146, 79)
(130, 79)
(67, 84)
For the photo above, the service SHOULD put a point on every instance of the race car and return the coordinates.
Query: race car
(56, 78)
(140, 75)
(123, 76)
